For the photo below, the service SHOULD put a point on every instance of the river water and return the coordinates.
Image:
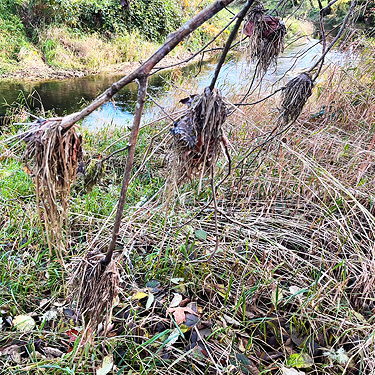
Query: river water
(67, 96)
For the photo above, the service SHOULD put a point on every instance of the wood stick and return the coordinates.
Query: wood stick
(142, 90)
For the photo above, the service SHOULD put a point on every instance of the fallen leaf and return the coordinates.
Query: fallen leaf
(23, 323)
(177, 280)
(201, 234)
(150, 301)
(176, 300)
(106, 365)
(153, 283)
(294, 289)
(291, 371)
(232, 321)
(172, 338)
(72, 334)
(27, 170)
(179, 313)
(13, 351)
(53, 352)
(139, 295)
(301, 360)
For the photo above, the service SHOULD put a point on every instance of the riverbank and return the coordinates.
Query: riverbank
(38, 71)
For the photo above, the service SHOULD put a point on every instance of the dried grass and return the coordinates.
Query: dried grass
(53, 155)
(197, 134)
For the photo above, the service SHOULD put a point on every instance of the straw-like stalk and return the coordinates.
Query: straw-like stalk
(198, 133)
(266, 38)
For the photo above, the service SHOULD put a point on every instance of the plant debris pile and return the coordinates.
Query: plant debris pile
(198, 133)
(266, 37)
(54, 154)
(295, 96)
(96, 284)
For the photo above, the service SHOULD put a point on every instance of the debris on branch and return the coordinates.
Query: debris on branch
(266, 34)
(198, 132)
(52, 154)
(295, 96)
(96, 285)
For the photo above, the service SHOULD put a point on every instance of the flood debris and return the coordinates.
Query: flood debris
(197, 134)
(95, 285)
(266, 37)
(295, 95)
(52, 155)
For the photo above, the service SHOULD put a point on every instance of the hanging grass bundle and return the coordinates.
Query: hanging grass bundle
(266, 37)
(96, 285)
(198, 133)
(295, 96)
(53, 154)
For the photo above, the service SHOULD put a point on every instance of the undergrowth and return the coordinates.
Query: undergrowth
(291, 285)
(89, 36)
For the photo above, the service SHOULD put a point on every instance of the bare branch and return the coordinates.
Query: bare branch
(128, 168)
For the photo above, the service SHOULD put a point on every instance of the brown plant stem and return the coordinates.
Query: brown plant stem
(144, 70)
(142, 90)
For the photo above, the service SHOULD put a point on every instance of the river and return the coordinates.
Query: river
(67, 96)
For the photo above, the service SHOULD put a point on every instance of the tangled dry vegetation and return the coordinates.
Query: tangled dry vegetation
(291, 287)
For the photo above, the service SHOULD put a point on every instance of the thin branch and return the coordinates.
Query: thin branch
(337, 37)
(241, 15)
(142, 90)
(260, 100)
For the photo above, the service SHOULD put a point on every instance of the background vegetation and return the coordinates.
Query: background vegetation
(89, 35)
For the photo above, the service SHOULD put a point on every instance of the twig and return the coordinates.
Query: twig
(240, 16)
(142, 90)
(337, 37)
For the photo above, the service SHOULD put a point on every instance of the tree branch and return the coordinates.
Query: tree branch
(241, 15)
(142, 90)
(144, 70)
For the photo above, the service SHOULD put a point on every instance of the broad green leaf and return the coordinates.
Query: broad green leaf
(301, 360)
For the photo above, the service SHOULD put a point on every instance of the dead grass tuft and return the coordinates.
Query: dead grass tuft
(198, 133)
(53, 156)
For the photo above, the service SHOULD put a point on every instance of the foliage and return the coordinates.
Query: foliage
(154, 19)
